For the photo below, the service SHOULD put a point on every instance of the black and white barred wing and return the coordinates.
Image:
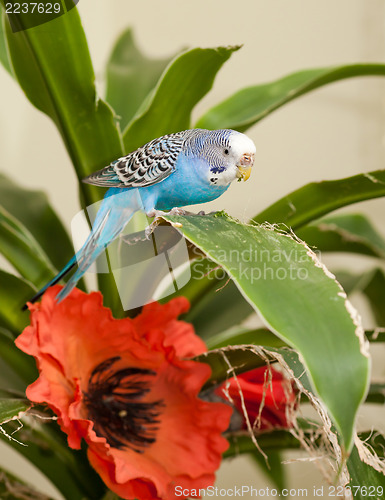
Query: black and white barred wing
(147, 165)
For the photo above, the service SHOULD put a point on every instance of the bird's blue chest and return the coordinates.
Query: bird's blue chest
(188, 185)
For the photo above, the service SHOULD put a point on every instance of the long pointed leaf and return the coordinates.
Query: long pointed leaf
(53, 66)
(249, 105)
(4, 59)
(130, 77)
(309, 312)
(316, 199)
(183, 84)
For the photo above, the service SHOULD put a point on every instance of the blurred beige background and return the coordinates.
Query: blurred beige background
(334, 132)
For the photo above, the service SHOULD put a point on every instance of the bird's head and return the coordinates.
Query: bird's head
(243, 151)
(230, 155)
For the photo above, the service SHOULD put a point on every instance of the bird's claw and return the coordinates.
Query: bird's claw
(155, 213)
(177, 211)
(160, 213)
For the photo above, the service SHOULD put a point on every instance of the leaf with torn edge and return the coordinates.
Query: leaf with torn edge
(367, 469)
(299, 300)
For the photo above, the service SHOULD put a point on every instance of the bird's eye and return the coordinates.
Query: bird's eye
(226, 151)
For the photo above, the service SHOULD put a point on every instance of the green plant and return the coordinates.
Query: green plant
(310, 327)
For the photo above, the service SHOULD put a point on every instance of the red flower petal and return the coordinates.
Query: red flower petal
(266, 400)
(79, 347)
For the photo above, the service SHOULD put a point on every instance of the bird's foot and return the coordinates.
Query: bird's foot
(177, 211)
(155, 213)
(160, 213)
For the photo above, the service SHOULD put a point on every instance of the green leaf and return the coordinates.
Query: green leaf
(216, 304)
(53, 66)
(33, 210)
(376, 394)
(348, 280)
(13, 488)
(183, 84)
(365, 480)
(344, 233)
(12, 408)
(203, 278)
(10, 381)
(239, 358)
(4, 59)
(67, 469)
(374, 290)
(14, 292)
(377, 335)
(316, 199)
(130, 76)
(273, 468)
(220, 308)
(21, 364)
(21, 249)
(298, 300)
(372, 285)
(239, 335)
(249, 105)
(110, 495)
(276, 440)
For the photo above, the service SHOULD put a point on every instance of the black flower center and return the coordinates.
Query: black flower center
(113, 403)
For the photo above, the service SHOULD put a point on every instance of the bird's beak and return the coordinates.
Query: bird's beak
(244, 167)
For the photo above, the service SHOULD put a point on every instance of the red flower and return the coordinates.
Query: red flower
(265, 393)
(124, 387)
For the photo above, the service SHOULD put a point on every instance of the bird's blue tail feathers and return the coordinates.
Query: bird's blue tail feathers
(112, 217)
(66, 269)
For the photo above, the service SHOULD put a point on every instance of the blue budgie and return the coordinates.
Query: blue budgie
(184, 168)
